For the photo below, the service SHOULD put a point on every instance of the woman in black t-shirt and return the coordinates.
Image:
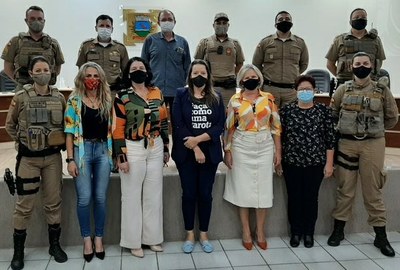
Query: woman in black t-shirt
(198, 122)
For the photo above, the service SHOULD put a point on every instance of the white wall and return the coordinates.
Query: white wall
(317, 21)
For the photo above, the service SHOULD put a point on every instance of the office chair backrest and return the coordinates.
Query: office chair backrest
(6, 84)
(322, 79)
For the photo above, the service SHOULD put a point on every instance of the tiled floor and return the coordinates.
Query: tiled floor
(356, 252)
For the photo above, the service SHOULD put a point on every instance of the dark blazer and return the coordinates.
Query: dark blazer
(182, 127)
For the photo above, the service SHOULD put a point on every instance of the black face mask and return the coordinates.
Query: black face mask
(359, 24)
(284, 26)
(361, 71)
(199, 81)
(138, 76)
(251, 84)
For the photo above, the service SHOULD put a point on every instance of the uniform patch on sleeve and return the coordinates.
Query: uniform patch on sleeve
(5, 50)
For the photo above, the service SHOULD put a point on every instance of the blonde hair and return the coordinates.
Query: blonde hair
(243, 71)
(104, 92)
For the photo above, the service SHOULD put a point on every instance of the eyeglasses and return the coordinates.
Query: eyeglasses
(220, 50)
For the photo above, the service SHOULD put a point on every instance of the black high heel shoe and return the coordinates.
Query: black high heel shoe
(100, 254)
(88, 257)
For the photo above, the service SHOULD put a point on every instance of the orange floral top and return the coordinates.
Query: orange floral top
(246, 115)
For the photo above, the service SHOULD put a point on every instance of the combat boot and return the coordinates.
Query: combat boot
(17, 262)
(382, 242)
(337, 234)
(54, 240)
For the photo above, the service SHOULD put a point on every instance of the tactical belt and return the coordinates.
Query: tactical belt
(25, 152)
(355, 138)
(281, 85)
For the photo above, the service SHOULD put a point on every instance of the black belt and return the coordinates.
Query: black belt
(281, 85)
(355, 138)
(227, 83)
(95, 140)
(25, 152)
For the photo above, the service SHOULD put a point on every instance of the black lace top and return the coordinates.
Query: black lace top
(306, 134)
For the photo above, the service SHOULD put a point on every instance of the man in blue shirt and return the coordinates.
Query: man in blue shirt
(169, 57)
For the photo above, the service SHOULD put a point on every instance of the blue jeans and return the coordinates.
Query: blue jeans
(92, 181)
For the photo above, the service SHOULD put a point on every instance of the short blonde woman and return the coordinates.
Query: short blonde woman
(89, 149)
(252, 146)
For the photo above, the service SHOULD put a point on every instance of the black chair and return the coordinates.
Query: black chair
(322, 79)
(6, 84)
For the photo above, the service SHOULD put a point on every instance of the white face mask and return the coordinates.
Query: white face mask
(167, 26)
(104, 33)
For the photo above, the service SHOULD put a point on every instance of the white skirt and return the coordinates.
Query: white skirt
(249, 182)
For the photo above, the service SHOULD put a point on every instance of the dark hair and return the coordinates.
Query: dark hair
(166, 11)
(361, 54)
(38, 59)
(33, 8)
(357, 9)
(126, 80)
(210, 95)
(282, 12)
(104, 17)
(304, 78)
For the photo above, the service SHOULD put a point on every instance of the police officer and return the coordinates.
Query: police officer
(281, 57)
(110, 54)
(345, 45)
(22, 48)
(225, 56)
(364, 110)
(35, 122)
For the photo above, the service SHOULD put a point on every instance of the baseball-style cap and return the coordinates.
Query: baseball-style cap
(221, 15)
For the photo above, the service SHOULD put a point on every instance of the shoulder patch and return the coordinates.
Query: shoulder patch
(297, 37)
(118, 42)
(88, 40)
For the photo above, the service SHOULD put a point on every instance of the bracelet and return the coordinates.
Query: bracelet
(68, 160)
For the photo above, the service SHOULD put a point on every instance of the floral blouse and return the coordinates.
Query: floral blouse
(306, 134)
(73, 125)
(245, 115)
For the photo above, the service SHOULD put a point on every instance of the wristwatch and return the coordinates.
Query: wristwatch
(68, 160)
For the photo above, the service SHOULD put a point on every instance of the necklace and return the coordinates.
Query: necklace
(93, 102)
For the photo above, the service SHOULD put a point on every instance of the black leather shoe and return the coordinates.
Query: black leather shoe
(385, 247)
(295, 240)
(338, 233)
(382, 242)
(308, 241)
